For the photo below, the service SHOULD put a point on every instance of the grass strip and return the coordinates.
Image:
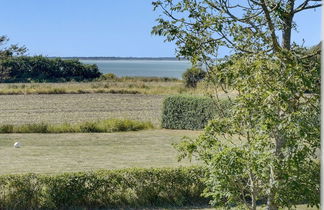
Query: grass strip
(100, 126)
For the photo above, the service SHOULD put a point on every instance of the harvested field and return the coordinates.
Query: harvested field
(58, 153)
(74, 108)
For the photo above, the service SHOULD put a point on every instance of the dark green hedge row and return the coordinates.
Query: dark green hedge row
(104, 189)
(43, 69)
(190, 112)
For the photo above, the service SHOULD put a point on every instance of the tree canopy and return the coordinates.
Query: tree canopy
(266, 148)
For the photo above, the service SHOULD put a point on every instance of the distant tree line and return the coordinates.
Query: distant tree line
(16, 67)
(43, 69)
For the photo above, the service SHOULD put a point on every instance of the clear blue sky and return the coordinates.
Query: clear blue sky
(101, 27)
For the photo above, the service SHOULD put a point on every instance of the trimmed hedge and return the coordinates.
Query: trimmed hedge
(104, 189)
(190, 112)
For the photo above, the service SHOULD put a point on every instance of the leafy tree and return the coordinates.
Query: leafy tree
(192, 76)
(267, 147)
(9, 51)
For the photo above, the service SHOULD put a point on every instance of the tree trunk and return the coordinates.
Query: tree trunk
(286, 33)
(270, 202)
(287, 19)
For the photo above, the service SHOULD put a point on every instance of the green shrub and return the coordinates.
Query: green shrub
(190, 112)
(127, 188)
(90, 127)
(108, 76)
(192, 76)
(32, 128)
(6, 128)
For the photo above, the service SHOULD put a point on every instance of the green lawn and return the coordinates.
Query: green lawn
(57, 153)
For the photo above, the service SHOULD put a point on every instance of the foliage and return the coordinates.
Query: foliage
(42, 69)
(12, 50)
(101, 126)
(190, 112)
(276, 112)
(192, 76)
(200, 28)
(278, 125)
(104, 189)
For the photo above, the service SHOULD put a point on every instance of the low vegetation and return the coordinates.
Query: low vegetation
(43, 69)
(192, 76)
(124, 85)
(100, 126)
(190, 112)
(113, 77)
(104, 189)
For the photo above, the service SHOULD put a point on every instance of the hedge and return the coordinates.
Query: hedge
(190, 112)
(125, 188)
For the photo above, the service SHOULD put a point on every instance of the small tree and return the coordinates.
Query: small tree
(267, 146)
(192, 76)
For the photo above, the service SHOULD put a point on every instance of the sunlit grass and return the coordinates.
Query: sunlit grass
(120, 87)
(58, 153)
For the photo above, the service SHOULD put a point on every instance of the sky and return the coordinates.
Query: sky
(102, 27)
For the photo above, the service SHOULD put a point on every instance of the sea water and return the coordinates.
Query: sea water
(145, 68)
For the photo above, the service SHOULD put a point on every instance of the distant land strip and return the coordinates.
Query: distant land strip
(124, 58)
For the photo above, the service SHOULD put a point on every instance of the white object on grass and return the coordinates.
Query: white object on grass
(17, 144)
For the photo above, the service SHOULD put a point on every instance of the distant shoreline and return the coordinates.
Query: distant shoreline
(126, 58)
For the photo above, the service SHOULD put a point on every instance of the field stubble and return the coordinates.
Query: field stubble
(76, 108)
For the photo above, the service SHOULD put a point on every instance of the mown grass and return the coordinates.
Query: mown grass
(71, 152)
(99, 126)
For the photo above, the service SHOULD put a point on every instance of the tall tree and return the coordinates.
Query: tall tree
(276, 110)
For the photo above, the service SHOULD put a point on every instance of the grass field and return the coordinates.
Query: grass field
(57, 153)
(127, 86)
(75, 108)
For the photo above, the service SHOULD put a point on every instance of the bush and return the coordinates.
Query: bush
(190, 112)
(125, 188)
(192, 76)
(108, 76)
(31, 128)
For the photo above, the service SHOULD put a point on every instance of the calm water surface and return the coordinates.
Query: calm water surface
(147, 68)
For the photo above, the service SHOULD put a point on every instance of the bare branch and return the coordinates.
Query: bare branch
(305, 5)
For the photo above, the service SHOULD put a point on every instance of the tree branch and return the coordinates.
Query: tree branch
(275, 43)
(305, 6)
